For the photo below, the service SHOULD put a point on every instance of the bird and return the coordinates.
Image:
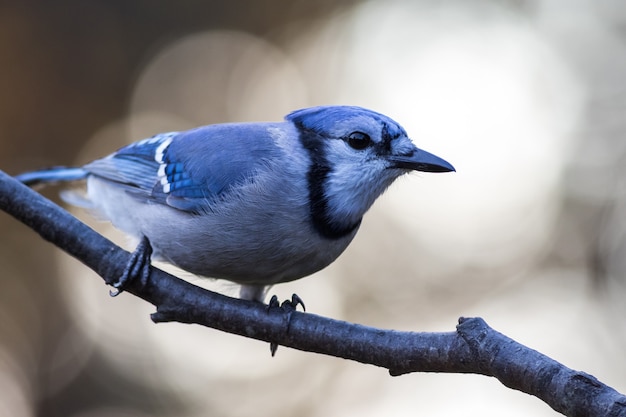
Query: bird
(255, 203)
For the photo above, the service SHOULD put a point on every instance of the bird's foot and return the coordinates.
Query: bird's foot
(138, 266)
(288, 307)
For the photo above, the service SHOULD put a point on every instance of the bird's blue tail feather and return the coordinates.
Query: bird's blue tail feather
(52, 175)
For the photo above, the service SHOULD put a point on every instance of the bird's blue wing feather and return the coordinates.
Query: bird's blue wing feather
(135, 165)
(189, 170)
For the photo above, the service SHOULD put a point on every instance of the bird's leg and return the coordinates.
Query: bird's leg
(253, 292)
(288, 307)
(138, 266)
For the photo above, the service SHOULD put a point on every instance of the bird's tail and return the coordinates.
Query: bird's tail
(51, 176)
(55, 175)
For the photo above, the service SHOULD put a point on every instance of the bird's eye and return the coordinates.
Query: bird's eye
(359, 140)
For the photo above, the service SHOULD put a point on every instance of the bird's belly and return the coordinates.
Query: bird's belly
(265, 248)
(262, 257)
(243, 240)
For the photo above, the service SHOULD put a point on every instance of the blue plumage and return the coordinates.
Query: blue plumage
(52, 175)
(253, 203)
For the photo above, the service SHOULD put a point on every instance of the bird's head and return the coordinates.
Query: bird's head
(355, 155)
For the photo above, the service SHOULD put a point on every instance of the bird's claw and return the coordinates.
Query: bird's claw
(273, 303)
(292, 305)
(138, 266)
(288, 307)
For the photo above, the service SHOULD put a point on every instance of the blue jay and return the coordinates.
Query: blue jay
(253, 203)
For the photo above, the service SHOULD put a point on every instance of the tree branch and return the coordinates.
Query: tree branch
(473, 348)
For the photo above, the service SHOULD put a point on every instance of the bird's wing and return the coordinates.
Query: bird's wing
(189, 170)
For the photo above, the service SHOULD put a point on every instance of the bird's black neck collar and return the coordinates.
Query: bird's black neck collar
(317, 177)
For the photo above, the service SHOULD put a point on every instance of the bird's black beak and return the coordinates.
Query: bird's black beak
(421, 160)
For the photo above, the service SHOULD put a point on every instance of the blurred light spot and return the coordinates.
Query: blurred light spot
(220, 76)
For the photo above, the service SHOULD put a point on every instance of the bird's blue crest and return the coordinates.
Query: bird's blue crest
(324, 119)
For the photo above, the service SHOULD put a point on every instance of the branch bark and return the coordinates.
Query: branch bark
(473, 348)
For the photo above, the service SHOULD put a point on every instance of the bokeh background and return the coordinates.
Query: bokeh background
(526, 98)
